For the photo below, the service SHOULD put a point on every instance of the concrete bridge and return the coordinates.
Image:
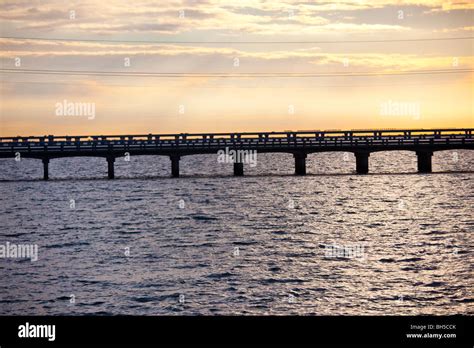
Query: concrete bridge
(301, 143)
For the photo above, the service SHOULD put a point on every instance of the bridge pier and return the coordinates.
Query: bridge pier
(45, 168)
(424, 161)
(362, 162)
(238, 168)
(174, 166)
(300, 163)
(110, 166)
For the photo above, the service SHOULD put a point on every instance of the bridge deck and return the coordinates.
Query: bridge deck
(188, 144)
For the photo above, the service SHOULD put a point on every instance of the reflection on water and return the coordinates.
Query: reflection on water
(210, 243)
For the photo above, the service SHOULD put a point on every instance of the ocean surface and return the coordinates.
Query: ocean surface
(209, 243)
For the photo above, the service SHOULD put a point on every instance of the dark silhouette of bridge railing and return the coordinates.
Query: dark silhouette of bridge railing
(301, 143)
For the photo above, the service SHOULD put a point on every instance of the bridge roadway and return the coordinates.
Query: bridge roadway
(300, 143)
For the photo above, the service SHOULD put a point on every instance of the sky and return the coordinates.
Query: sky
(245, 65)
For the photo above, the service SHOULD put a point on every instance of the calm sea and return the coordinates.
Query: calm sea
(329, 243)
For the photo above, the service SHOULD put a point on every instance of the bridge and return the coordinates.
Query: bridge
(300, 143)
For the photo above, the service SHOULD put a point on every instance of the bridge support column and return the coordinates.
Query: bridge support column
(46, 168)
(238, 168)
(300, 163)
(424, 161)
(362, 162)
(110, 166)
(174, 166)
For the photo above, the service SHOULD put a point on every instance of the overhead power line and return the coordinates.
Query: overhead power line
(128, 85)
(234, 75)
(184, 42)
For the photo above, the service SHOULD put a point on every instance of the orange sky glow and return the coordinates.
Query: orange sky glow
(235, 66)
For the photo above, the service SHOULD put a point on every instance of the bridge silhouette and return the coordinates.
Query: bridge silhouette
(300, 143)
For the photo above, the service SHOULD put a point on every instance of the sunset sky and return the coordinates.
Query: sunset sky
(379, 38)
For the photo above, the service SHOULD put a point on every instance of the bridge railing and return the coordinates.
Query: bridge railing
(261, 136)
(261, 141)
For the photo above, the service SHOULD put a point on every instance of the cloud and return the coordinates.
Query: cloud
(216, 17)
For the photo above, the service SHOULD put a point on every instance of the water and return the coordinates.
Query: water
(209, 243)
